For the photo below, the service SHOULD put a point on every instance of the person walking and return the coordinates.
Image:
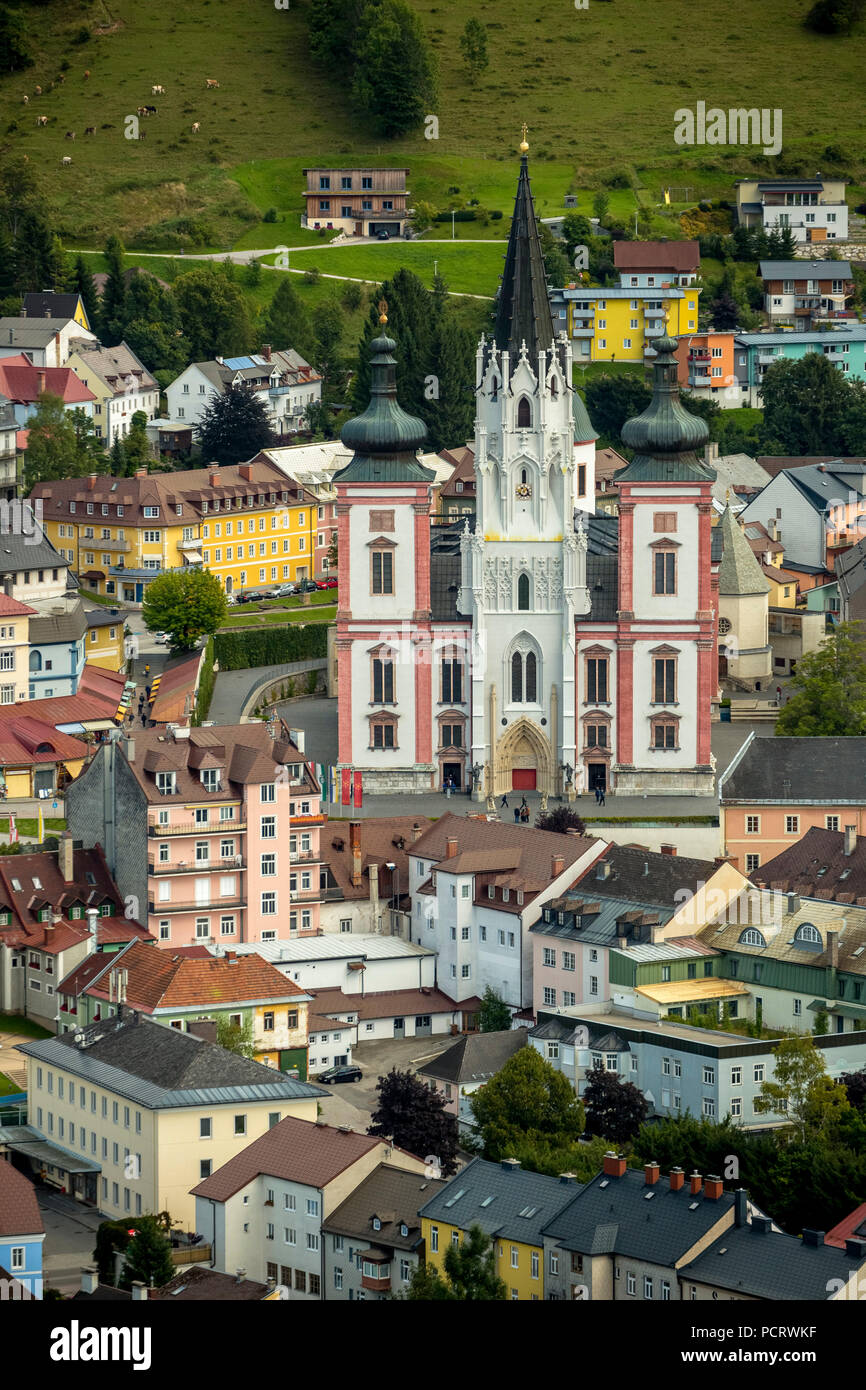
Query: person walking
(524, 814)
(516, 814)
(596, 793)
(504, 801)
(601, 796)
(448, 785)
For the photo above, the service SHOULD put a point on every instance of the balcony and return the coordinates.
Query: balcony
(700, 379)
(193, 905)
(100, 543)
(766, 359)
(189, 545)
(697, 356)
(197, 866)
(307, 857)
(211, 827)
(582, 332)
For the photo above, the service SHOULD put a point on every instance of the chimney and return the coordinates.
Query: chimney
(355, 845)
(130, 750)
(833, 949)
(713, 1188)
(266, 352)
(213, 475)
(64, 856)
(678, 1177)
(850, 839)
(793, 902)
(232, 955)
(451, 851)
(855, 1248)
(510, 1165)
(567, 1178)
(812, 1237)
(240, 1276)
(245, 471)
(139, 1291)
(695, 1182)
(41, 380)
(91, 481)
(614, 1165)
(557, 866)
(89, 1278)
(57, 350)
(651, 1173)
(93, 927)
(374, 893)
(141, 472)
(741, 1207)
(272, 1283)
(603, 870)
(763, 1224)
(416, 832)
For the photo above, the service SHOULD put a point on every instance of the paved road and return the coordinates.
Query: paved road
(70, 1238)
(233, 689)
(353, 1102)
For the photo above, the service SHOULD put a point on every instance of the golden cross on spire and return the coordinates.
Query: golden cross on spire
(523, 144)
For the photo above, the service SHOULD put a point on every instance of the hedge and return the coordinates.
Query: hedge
(237, 651)
(206, 684)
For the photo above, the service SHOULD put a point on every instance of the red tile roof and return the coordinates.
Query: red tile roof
(385, 840)
(160, 979)
(524, 855)
(295, 1151)
(847, 1227)
(11, 608)
(682, 256)
(26, 741)
(41, 884)
(22, 382)
(19, 1209)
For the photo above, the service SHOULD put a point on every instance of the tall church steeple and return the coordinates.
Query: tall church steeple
(523, 309)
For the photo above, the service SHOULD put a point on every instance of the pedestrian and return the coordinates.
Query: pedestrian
(448, 785)
(524, 814)
(523, 803)
(601, 796)
(778, 694)
(596, 793)
(504, 801)
(147, 693)
(516, 814)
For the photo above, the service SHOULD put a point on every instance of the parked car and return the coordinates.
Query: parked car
(334, 1075)
(330, 583)
(162, 639)
(254, 595)
(307, 586)
(285, 591)
(382, 236)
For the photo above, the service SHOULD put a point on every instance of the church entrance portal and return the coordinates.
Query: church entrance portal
(454, 772)
(597, 776)
(523, 779)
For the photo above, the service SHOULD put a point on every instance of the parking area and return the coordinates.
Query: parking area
(353, 1102)
(70, 1239)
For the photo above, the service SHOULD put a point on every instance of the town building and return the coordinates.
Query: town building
(8, 450)
(368, 874)
(358, 202)
(47, 342)
(422, 1012)
(282, 380)
(815, 511)
(745, 655)
(465, 1068)
(104, 645)
(512, 1207)
(243, 991)
(477, 887)
(135, 1114)
(372, 1241)
(755, 1260)
(263, 1210)
(812, 209)
(657, 264)
(621, 324)
(56, 910)
(216, 830)
(121, 385)
(803, 292)
(22, 1232)
(775, 790)
(22, 383)
(48, 304)
(593, 641)
(843, 345)
(457, 496)
(850, 584)
(357, 963)
(706, 365)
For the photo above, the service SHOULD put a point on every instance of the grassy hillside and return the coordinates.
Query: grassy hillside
(598, 88)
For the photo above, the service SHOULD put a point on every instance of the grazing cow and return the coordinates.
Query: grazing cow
(86, 73)
(91, 130)
(142, 135)
(67, 159)
(157, 91)
(26, 99)
(41, 120)
(38, 91)
(61, 77)
(151, 111)
(142, 110)
(70, 135)
(211, 82)
(196, 127)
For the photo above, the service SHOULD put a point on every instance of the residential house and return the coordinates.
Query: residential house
(48, 342)
(372, 1241)
(121, 385)
(801, 292)
(812, 209)
(607, 464)
(22, 1231)
(650, 264)
(47, 304)
(177, 990)
(389, 1013)
(816, 512)
(56, 910)
(755, 1260)
(104, 642)
(775, 790)
(745, 655)
(793, 635)
(359, 202)
(36, 759)
(621, 324)
(15, 650)
(23, 383)
(368, 874)
(843, 345)
(8, 450)
(263, 1209)
(465, 1068)
(135, 1113)
(215, 829)
(851, 1226)
(198, 1284)
(849, 585)
(457, 495)
(282, 380)
(511, 1206)
(175, 690)
(706, 365)
(358, 963)
(477, 887)
(680, 1068)
(825, 598)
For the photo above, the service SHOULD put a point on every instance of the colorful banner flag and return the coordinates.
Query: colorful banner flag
(13, 829)
(332, 785)
(41, 825)
(358, 790)
(346, 789)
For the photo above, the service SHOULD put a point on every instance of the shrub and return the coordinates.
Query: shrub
(237, 651)
(312, 276)
(83, 35)
(270, 215)
(496, 215)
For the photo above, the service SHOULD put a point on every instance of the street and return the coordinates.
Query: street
(353, 1102)
(70, 1239)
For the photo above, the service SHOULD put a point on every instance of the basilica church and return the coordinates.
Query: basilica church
(543, 647)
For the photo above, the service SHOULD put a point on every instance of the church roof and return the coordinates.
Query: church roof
(739, 571)
(523, 308)
(385, 439)
(665, 436)
(583, 427)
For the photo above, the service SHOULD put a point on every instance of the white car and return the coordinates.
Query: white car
(162, 639)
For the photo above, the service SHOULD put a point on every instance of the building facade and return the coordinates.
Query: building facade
(358, 202)
(811, 209)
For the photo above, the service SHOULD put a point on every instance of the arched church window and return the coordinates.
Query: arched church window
(494, 389)
(553, 386)
(523, 593)
(524, 414)
(517, 679)
(531, 684)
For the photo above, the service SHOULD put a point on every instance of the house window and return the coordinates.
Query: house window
(524, 414)
(664, 680)
(383, 571)
(665, 572)
(664, 733)
(596, 680)
(452, 682)
(792, 825)
(383, 733)
(383, 681)
(753, 825)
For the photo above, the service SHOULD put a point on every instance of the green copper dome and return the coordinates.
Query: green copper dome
(665, 436)
(385, 439)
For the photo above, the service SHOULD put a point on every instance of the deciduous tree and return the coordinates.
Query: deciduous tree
(185, 603)
(527, 1101)
(415, 1118)
(233, 426)
(830, 689)
(494, 1016)
(469, 1273)
(394, 77)
(614, 1108)
(148, 1255)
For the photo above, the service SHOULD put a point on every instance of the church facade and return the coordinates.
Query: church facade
(546, 648)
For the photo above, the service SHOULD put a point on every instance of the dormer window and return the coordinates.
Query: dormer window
(807, 932)
(491, 891)
(45, 914)
(752, 937)
(210, 779)
(166, 783)
(506, 893)
(404, 1229)
(106, 909)
(377, 1225)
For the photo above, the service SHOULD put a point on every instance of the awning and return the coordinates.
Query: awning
(841, 1010)
(691, 991)
(44, 1153)
(93, 574)
(192, 557)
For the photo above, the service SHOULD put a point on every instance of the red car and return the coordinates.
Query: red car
(326, 583)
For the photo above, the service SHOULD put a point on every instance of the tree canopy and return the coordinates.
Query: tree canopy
(810, 408)
(60, 444)
(185, 603)
(148, 1255)
(494, 1016)
(830, 689)
(615, 1109)
(415, 1118)
(468, 1273)
(213, 315)
(526, 1103)
(233, 426)
(561, 819)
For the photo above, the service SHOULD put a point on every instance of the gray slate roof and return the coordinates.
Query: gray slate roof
(644, 876)
(37, 333)
(32, 551)
(799, 771)
(805, 270)
(476, 1057)
(160, 1067)
(614, 1215)
(768, 1264)
(739, 571)
(512, 1190)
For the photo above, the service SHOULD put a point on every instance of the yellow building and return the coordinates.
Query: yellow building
(138, 1131)
(783, 586)
(248, 523)
(104, 640)
(618, 324)
(511, 1206)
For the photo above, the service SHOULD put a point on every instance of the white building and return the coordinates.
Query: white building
(356, 963)
(283, 381)
(47, 342)
(814, 210)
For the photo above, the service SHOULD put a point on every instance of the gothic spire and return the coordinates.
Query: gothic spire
(523, 309)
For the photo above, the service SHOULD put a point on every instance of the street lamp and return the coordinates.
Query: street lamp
(394, 896)
(453, 233)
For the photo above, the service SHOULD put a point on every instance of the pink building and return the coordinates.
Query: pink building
(216, 829)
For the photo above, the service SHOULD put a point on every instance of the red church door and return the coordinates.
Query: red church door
(523, 779)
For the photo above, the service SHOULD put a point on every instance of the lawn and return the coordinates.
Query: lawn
(28, 827)
(598, 87)
(8, 1087)
(324, 615)
(469, 267)
(24, 1027)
